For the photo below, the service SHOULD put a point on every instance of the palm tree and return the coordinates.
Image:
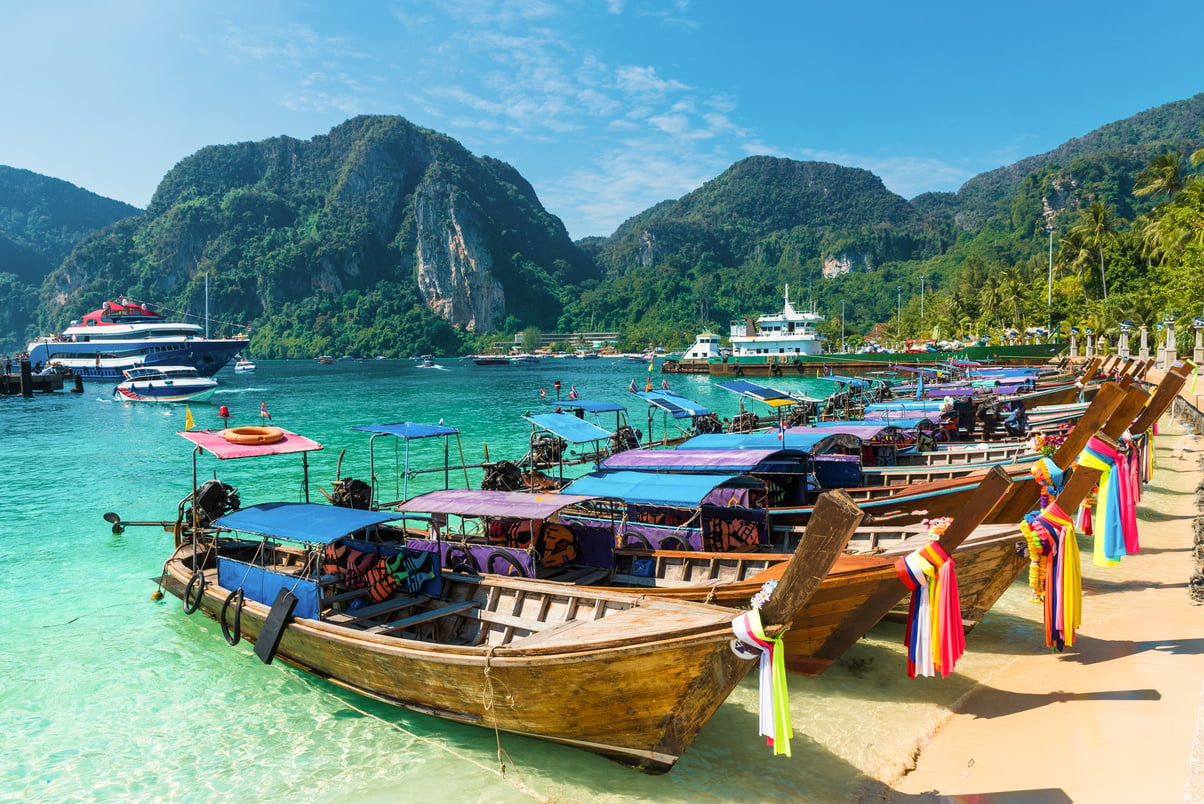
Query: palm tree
(1073, 255)
(1012, 291)
(1096, 229)
(1198, 156)
(991, 297)
(1162, 176)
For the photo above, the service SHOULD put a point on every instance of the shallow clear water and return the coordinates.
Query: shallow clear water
(106, 695)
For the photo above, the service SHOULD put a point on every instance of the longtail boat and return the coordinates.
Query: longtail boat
(631, 677)
(855, 594)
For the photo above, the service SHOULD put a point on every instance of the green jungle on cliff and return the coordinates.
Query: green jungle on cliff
(384, 238)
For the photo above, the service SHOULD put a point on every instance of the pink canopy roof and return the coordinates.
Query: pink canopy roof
(213, 442)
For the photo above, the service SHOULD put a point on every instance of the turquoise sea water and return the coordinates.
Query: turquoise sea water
(106, 695)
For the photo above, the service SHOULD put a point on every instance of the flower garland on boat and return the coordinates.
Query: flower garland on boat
(1054, 574)
(935, 636)
(751, 641)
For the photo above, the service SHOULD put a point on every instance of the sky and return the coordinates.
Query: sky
(605, 106)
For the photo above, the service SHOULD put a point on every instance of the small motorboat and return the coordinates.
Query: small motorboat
(243, 365)
(165, 384)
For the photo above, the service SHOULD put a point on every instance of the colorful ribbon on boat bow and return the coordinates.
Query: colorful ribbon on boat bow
(1116, 513)
(935, 636)
(775, 700)
(1049, 477)
(1054, 572)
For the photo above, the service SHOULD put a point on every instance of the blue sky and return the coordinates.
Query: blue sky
(605, 106)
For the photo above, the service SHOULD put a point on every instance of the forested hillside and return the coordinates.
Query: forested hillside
(41, 220)
(378, 238)
(967, 264)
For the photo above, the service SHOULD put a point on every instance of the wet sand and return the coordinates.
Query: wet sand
(1118, 716)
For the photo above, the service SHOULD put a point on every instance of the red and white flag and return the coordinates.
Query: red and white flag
(263, 409)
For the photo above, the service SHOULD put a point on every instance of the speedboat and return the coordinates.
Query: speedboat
(165, 384)
(243, 365)
(123, 335)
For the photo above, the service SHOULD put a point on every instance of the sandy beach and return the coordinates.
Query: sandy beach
(1118, 716)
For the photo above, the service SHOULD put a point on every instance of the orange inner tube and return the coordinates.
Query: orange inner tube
(253, 435)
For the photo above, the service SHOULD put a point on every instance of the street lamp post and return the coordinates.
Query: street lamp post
(1049, 289)
(899, 313)
(922, 299)
(842, 348)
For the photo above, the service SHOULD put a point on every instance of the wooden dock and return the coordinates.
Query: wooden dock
(26, 383)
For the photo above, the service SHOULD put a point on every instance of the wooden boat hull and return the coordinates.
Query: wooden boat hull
(638, 700)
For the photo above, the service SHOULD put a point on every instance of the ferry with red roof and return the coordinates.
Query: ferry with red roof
(123, 335)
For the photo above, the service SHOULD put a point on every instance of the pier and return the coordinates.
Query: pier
(26, 383)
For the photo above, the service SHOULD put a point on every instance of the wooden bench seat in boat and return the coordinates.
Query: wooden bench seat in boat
(422, 617)
(357, 616)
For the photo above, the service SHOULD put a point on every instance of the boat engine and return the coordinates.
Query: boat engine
(212, 499)
(502, 476)
(351, 493)
(705, 425)
(547, 448)
(625, 438)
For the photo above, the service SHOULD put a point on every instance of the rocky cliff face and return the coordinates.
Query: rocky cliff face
(453, 264)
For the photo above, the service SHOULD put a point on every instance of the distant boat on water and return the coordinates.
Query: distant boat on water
(165, 384)
(124, 334)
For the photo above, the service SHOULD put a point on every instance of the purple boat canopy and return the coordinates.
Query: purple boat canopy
(701, 460)
(863, 432)
(508, 504)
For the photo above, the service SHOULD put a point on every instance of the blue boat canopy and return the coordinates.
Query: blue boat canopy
(588, 405)
(676, 404)
(856, 382)
(568, 427)
(408, 429)
(302, 522)
(770, 396)
(901, 422)
(651, 488)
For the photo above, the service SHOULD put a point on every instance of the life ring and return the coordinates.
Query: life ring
(252, 435)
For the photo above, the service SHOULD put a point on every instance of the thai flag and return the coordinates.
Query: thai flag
(781, 429)
(572, 392)
(631, 387)
(543, 394)
(263, 409)
(664, 383)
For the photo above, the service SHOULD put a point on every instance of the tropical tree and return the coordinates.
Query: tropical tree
(1012, 292)
(1096, 228)
(1198, 156)
(1162, 176)
(992, 298)
(1073, 257)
